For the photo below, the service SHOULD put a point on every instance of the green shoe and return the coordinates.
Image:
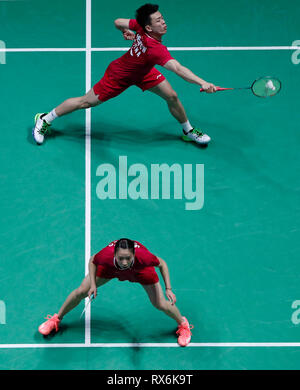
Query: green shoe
(197, 136)
(41, 128)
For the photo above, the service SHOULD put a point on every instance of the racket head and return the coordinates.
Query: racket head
(266, 86)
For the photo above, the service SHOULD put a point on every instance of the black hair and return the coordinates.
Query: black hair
(143, 14)
(125, 243)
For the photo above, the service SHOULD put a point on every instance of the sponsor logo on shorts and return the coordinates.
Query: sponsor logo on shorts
(157, 182)
(158, 76)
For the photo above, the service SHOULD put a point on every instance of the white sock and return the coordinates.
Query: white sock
(186, 126)
(50, 117)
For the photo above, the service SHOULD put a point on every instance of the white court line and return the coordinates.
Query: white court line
(149, 345)
(88, 166)
(207, 48)
(37, 49)
(103, 49)
(234, 48)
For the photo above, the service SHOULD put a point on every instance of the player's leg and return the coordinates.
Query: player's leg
(70, 303)
(78, 295)
(90, 99)
(43, 121)
(158, 300)
(165, 91)
(103, 90)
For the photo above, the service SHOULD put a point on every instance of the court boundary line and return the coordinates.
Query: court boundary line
(150, 345)
(187, 48)
(88, 74)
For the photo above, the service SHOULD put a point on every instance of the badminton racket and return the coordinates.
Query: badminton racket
(86, 306)
(262, 87)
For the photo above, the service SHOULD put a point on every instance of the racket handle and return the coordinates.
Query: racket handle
(91, 297)
(218, 89)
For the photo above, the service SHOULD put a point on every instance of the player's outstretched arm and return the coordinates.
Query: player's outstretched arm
(189, 76)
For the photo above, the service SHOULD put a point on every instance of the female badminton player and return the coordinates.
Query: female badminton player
(136, 67)
(126, 260)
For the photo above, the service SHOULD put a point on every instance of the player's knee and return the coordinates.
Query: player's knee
(160, 304)
(172, 97)
(90, 100)
(84, 103)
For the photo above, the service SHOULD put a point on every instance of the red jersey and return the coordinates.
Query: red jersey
(145, 53)
(106, 262)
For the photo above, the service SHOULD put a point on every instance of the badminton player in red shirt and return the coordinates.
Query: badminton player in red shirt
(136, 67)
(126, 260)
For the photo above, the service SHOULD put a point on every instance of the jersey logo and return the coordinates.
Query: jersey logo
(138, 47)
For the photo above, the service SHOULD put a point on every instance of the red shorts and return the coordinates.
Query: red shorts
(147, 275)
(108, 88)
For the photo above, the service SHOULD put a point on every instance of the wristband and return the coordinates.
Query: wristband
(167, 288)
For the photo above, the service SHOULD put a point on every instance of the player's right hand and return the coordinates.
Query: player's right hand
(171, 296)
(209, 87)
(128, 35)
(92, 290)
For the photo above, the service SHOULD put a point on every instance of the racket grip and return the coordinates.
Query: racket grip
(218, 89)
(91, 297)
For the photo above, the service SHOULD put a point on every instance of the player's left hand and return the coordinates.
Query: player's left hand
(171, 296)
(128, 35)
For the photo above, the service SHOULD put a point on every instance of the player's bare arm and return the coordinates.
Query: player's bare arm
(166, 277)
(92, 275)
(123, 26)
(189, 76)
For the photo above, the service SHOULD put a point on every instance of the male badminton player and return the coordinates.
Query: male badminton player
(136, 67)
(126, 260)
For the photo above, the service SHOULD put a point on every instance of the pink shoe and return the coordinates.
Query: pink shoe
(184, 333)
(51, 323)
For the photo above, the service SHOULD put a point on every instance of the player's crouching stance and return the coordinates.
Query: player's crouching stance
(126, 260)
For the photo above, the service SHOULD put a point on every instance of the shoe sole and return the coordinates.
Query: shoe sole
(53, 331)
(184, 345)
(38, 143)
(35, 120)
(188, 139)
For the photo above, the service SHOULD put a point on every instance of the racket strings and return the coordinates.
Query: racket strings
(266, 86)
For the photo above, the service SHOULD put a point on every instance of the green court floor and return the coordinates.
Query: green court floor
(234, 261)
